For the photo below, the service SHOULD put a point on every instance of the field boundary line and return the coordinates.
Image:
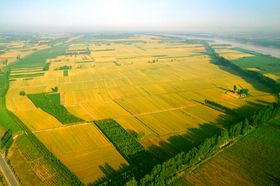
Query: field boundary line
(60, 127)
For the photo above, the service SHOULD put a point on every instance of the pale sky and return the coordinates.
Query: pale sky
(139, 15)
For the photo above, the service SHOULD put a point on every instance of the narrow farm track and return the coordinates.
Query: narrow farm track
(61, 127)
(158, 111)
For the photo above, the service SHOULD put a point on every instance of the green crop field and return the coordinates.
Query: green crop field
(50, 103)
(266, 65)
(250, 161)
(38, 59)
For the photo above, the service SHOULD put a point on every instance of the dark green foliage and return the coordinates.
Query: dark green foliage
(32, 144)
(6, 141)
(22, 93)
(66, 177)
(218, 107)
(243, 91)
(164, 173)
(55, 89)
(5, 138)
(140, 160)
(50, 103)
(252, 160)
(126, 143)
(46, 67)
(65, 67)
(8, 145)
(234, 88)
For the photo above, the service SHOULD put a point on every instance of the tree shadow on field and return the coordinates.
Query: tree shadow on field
(194, 136)
(107, 169)
(179, 143)
(258, 86)
(262, 102)
(218, 61)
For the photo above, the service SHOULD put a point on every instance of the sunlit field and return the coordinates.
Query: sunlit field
(152, 86)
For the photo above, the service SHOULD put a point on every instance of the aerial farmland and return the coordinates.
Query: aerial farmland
(156, 88)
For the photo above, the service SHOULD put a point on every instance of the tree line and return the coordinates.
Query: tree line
(165, 173)
(66, 176)
(6, 141)
(140, 160)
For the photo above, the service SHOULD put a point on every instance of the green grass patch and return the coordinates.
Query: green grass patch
(38, 58)
(6, 120)
(50, 103)
(266, 64)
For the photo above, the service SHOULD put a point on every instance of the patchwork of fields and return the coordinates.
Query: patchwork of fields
(249, 60)
(150, 85)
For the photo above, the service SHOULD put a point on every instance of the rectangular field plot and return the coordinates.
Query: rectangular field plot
(170, 122)
(82, 148)
(231, 54)
(204, 113)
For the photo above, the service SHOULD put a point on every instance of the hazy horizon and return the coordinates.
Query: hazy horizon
(132, 15)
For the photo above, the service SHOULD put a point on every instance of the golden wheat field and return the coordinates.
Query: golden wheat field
(147, 85)
(83, 148)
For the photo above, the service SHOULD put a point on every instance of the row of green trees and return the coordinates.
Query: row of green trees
(66, 177)
(125, 142)
(65, 67)
(164, 174)
(140, 160)
(6, 141)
